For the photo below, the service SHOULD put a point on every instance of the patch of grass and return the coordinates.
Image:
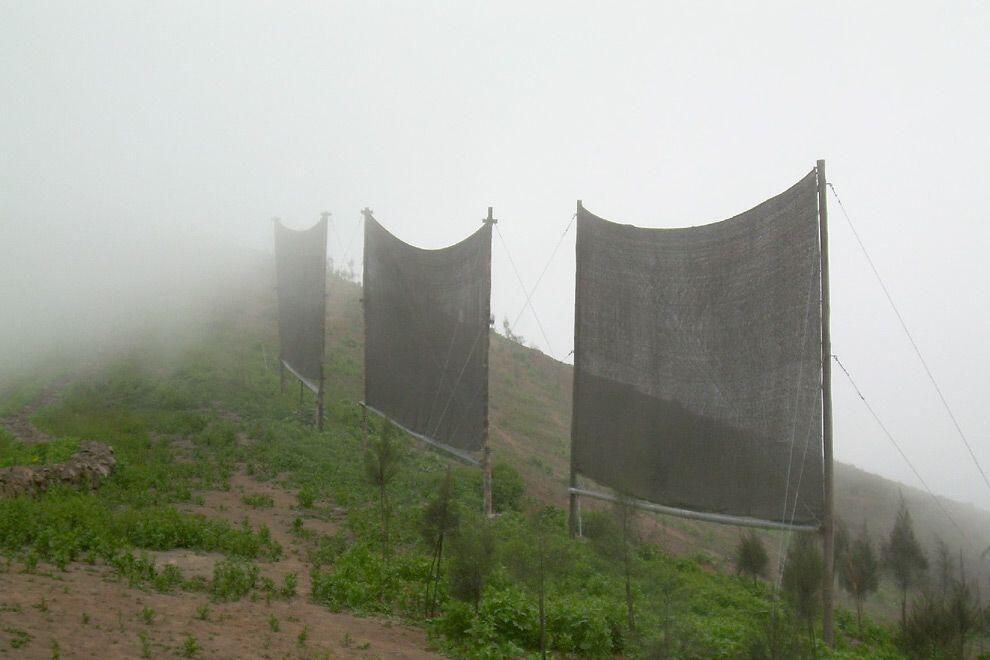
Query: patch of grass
(258, 501)
(147, 615)
(273, 623)
(306, 497)
(18, 638)
(190, 647)
(232, 580)
(16, 452)
(288, 589)
(146, 649)
(60, 526)
(202, 612)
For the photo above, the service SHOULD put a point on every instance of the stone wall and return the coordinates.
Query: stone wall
(86, 468)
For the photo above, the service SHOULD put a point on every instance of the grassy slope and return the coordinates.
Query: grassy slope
(531, 412)
(226, 386)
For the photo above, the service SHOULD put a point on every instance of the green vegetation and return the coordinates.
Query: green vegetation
(904, 558)
(190, 647)
(259, 501)
(859, 571)
(751, 556)
(15, 452)
(412, 544)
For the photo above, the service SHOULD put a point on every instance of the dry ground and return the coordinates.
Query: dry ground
(87, 612)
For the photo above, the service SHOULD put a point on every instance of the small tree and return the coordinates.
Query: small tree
(903, 557)
(381, 461)
(964, 613)
(536, 556)
(927, 630)
(859, 571)
(511, 336)
(625, 515)
(802, 580)
(943, 567)
(473, 549)
(440, 519)
(840, 544)
(751, 556)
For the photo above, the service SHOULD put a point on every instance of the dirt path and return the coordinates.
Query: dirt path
(19, 424)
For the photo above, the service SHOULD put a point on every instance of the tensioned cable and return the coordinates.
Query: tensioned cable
(523, 286)
(914, 345)
(545, 267)
(900, 451)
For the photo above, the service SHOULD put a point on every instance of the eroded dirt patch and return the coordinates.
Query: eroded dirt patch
(19, 424)
(279, 517)
(86, 613)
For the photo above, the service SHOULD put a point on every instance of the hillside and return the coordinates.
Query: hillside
(530, 416)
(230, 523)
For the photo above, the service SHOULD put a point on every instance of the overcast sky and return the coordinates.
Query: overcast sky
(121, 121)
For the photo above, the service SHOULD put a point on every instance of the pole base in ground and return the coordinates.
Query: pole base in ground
(489, 496)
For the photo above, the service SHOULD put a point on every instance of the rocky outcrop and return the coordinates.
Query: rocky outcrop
(93, 462)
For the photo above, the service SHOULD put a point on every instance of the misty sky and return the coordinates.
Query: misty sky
(144, 125)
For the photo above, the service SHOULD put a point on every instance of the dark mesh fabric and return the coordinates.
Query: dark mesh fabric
(698, 360)
(301, 271)
(426, 334)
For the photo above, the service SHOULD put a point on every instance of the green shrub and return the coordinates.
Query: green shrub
(258, 501)
(306, 497)
(508, 488)
(232, 580)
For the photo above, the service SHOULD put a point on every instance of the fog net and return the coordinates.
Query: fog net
(301, 271)
(426, 315)
(698, 361)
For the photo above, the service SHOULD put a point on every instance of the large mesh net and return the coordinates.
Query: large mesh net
(698, 360)
(301, 270)
(426, 315)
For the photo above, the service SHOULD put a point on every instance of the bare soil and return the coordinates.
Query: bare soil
(89, 614)
(86, 612)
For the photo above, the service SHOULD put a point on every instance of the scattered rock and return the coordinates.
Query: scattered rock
(93, 462)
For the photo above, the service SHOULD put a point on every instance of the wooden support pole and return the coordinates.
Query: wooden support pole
(828, 521)
(364, 427)
(486, 466)
(574, 512)
(321, 393)
(319, 402)
(366, 215)
(486, 460)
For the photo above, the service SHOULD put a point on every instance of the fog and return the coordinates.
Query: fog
(145, 146)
